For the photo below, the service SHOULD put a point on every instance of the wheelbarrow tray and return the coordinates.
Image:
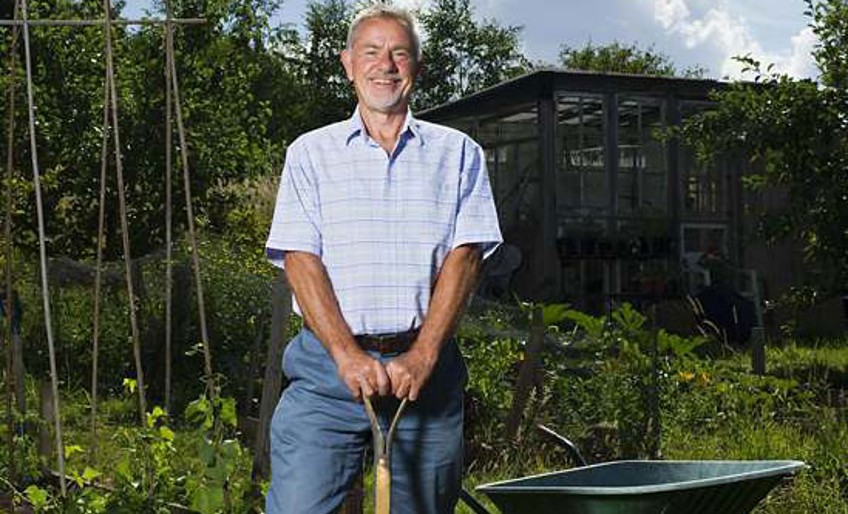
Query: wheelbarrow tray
(644, 487)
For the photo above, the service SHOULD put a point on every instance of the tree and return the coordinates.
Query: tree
(618, 58)
(462, 56)
(796, 134)
(240, 98)
(68, 87)
(329, 95)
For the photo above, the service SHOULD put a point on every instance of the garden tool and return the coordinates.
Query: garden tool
(382, 456)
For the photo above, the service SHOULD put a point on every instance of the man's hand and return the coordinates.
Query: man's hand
(409, 372)
(362, 374)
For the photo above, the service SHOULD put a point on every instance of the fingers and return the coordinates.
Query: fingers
(402, 378)
(364, 375)
(383, 382)
(413, 392)
(364, 389)
(401, 388)
(403, 392)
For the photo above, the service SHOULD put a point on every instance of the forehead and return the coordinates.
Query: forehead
(382, 30)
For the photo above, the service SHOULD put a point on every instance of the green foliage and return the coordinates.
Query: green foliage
(618, 58)
(248, 207)
(606, 377)
(553, 314)
(131, 469)
(37, 496)
(237, 281)
(68, 85)
(328, 93)
(144, 471)
(462, 56)
(239, 100)
(218, 483)
(597, 390)
(796, 135)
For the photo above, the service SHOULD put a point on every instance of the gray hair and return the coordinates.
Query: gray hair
(391, 12)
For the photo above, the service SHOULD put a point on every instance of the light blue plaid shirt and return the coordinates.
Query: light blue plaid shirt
(383, 225)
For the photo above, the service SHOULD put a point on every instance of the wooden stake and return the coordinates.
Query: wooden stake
(192, 232)
(758, 350)
(98, 274)
(527, 373)
(42, 252)
(11, 368)
(122, 205)
(169, 243)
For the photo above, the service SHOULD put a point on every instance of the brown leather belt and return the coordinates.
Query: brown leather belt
(384, 343)
(387, 343)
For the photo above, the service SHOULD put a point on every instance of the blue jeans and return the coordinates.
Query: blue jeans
(318, 434)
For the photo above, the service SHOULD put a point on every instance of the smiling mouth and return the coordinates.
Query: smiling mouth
(385, 81)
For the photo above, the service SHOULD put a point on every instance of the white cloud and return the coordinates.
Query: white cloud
(412, 4)
(671, 13)
(730, 35)
(800, 62)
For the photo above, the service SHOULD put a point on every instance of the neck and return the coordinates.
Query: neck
(383, 127)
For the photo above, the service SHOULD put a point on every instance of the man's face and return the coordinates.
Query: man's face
(382, 65)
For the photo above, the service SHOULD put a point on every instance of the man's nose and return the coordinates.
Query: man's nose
(387, 62)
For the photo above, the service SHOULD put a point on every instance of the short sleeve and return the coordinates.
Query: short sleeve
(296, 222)
(477, 217)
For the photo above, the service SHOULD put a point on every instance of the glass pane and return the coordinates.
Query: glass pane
(512, 156)
(642, 168)
(703, 186)
(581, 175)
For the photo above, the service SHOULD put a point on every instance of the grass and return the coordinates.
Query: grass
(715, 409)
(818, 489)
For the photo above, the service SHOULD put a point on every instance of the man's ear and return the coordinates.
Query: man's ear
(345, 58)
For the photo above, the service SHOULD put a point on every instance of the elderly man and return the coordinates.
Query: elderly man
(381, 224)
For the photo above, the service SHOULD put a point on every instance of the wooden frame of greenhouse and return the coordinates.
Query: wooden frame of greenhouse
(595, 207)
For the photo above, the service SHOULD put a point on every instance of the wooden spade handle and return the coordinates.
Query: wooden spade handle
(383, 481)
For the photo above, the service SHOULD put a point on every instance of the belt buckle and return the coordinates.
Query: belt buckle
(385, 343)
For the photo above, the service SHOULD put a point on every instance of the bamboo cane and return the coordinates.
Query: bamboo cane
(42, 250)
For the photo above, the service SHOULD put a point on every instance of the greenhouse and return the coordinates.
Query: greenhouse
(596, 201)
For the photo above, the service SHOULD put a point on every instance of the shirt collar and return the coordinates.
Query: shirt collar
(356, 129)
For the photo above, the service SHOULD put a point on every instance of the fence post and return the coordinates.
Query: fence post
(758, 350)
(280, 310)
(527, 373)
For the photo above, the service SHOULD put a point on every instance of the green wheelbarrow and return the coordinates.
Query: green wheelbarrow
(640, 487)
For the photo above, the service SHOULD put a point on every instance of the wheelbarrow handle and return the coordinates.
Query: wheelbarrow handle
(472, 502)
(565, 442)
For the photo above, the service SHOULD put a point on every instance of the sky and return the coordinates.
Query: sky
(705, 33)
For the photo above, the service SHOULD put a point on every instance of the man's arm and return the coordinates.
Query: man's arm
(409, 372)
(360, 372)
